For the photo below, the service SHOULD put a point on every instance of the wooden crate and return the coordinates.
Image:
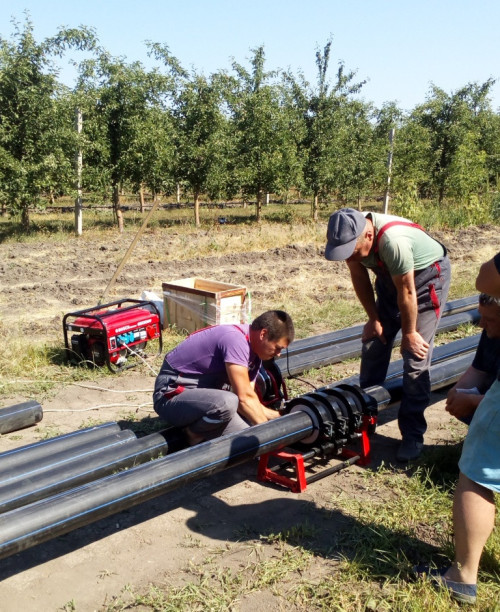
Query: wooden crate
(193, 303)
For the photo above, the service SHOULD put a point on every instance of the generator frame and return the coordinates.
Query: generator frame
(99, 314)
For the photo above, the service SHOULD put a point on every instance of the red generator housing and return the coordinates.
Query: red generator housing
(110, 333)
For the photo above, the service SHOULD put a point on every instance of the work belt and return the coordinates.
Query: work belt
(170, 394)
(173, 388)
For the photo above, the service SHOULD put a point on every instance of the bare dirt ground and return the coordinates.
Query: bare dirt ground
(224, 515)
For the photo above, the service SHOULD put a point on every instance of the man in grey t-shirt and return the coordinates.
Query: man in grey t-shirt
(206, 383)
(412, 281)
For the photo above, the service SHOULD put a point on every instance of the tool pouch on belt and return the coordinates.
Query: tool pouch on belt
(177, 382)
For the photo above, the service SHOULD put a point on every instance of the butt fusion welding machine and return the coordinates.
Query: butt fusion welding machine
(342, 415)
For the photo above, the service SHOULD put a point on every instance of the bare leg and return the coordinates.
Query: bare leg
(473, 522)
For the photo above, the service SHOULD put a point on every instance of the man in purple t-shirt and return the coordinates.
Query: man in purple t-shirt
(206, 383)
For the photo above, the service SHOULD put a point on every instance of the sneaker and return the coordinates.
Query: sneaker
(459, 591)
(409, 450)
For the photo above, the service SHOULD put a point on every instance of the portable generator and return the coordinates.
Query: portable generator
(111, 333)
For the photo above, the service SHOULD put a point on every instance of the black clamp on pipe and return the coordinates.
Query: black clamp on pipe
(340, 415)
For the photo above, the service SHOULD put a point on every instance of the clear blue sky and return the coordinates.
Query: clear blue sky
(401, 46)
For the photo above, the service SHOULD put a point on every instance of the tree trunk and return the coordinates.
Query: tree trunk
(25, 216)
(314, 209)
(389, 171)
(197, 208)
(78, 173)
(258, 206)
(116, 208)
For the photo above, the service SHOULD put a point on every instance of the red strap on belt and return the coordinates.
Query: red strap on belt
(434, 299)
(174, 392)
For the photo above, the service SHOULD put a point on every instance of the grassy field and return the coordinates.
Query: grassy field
(405, 516)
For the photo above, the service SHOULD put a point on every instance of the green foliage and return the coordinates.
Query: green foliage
(453, 135)
(35, 137)
(249, 133)
(266, 131)
(430, 214)
(128, 131)
(204, 142)
(338, 142)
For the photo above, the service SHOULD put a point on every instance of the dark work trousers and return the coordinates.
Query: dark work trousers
(208, 412)
(432, 285)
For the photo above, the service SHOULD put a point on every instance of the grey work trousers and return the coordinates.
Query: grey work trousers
(206, 411)
(432, 285)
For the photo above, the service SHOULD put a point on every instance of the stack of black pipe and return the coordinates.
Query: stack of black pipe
(334, 347)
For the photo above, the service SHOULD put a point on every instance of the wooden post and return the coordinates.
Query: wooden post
(79, 166)
(141, 198)
(389, 170)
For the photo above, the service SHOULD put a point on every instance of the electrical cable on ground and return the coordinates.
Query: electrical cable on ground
(137, 406)
(92, 387)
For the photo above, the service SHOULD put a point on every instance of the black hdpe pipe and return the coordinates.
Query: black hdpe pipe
(51, 517)
(82, 453)
(36, 451)
(20, 416)
(334, 353)
(443, 374)
(74, 473)
(454, 307)
(464, 348)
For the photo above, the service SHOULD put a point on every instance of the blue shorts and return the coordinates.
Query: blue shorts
(480, 460)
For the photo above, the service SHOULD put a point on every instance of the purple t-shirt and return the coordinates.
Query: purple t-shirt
(207, 351)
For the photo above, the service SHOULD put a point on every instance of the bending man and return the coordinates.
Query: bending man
(412, 280)
(206, 383)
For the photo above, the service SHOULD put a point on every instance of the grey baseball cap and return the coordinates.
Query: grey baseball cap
(344, 228)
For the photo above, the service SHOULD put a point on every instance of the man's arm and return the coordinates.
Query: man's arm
(407, 303)
(488, 279)
(364, 290)
(249, 407)
(462, 405)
